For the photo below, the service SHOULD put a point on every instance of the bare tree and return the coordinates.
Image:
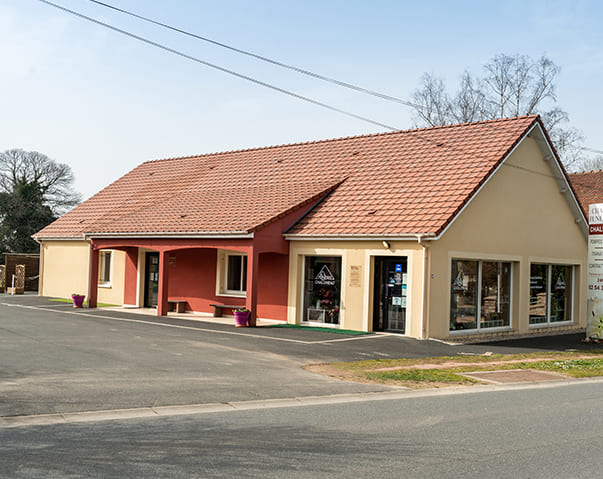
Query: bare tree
(433, 101)
(512, 85)
(470, 103)
(592, 164)
(53, 180)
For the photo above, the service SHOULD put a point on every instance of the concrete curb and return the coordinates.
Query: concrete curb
(209, 408)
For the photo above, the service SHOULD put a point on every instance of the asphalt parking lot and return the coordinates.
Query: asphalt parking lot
(56, 359)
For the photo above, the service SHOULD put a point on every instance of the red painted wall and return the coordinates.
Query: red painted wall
(131, 274)
(192, 278)
(273, 286)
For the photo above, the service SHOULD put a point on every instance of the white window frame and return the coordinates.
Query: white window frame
(549, 273)
(478, 310)
(101, 269)
(222, 275)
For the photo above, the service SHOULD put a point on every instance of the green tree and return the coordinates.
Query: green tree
(34, 191)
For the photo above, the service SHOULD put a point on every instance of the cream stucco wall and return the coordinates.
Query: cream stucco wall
(521, 216)
(356, 306)
(64, 271)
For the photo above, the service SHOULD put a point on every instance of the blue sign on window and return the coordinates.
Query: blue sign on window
(398, 268)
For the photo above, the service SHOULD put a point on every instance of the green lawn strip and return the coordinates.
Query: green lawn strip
(317, 328)
(98, 305)
(419, 375)
(371, 364)
(561, 362)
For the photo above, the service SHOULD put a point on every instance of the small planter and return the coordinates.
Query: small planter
(78, 300)
(241, 318)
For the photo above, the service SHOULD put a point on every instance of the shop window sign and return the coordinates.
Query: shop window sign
(325, 277)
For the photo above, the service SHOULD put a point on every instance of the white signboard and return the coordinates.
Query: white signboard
(594, 325)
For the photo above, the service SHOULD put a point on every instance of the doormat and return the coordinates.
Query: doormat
(322, 330)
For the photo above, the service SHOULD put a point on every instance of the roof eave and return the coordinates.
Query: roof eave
(58, 237)
(175, 235)
(360, 237)
(565, 187)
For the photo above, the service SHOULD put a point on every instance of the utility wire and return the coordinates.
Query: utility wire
(277, 63)
(260, 57)
(250, 79)
(217, 67)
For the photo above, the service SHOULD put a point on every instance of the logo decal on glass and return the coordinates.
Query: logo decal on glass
(325, 277)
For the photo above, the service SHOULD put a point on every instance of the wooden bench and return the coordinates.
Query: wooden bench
(219, 307)
(177, 306)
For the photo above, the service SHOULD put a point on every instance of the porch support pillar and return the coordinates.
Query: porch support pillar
(93, 277)
(251, 302)
(162, 293)
(131, 277)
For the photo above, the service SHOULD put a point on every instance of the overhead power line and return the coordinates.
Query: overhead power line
(217, 67)
(260, 57)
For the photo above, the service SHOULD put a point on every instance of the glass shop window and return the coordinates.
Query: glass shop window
(322, 288)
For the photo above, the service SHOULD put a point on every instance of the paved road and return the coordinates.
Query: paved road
(54, 359)
(552, 432)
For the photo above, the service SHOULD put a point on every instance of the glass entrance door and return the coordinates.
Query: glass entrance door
(390, 294)
(151, 281)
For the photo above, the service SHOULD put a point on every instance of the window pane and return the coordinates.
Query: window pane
(463, 295)
(244, 275)
(233, 277)
(105, 267)
(561, 291)
(496, 295)
(538, 293)
(322, 286)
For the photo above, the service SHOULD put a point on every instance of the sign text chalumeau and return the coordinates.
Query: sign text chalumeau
(594, 325)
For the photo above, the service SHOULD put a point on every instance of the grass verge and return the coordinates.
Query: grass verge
(447, 371)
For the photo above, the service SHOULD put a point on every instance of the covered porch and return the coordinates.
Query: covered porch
(249, 271)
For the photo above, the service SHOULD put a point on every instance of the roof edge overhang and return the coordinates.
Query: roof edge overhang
(89, 236)
(197, 235)
(363, 237)
(565, 187)
(552, 158)
(59, 238)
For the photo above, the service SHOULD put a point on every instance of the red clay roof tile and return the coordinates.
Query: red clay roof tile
(414, 181)
(588, 187)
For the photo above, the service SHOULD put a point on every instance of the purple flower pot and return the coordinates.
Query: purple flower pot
(78, 300)
(241, 318)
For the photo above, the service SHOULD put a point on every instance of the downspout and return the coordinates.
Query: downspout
(426, 282)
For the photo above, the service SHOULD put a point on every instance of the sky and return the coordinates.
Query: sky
(103, 103)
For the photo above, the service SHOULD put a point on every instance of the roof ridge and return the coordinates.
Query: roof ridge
(343, 138)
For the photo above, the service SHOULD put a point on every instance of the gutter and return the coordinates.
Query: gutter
(157, 235)
(359, 237)
(424, 305)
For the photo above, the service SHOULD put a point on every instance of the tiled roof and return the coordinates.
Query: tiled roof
(406, 182)
(588, 187)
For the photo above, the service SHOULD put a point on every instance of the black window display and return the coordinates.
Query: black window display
(550, 293)
(480, 295)
(539, 275)
(463, 298)
(322, 287)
